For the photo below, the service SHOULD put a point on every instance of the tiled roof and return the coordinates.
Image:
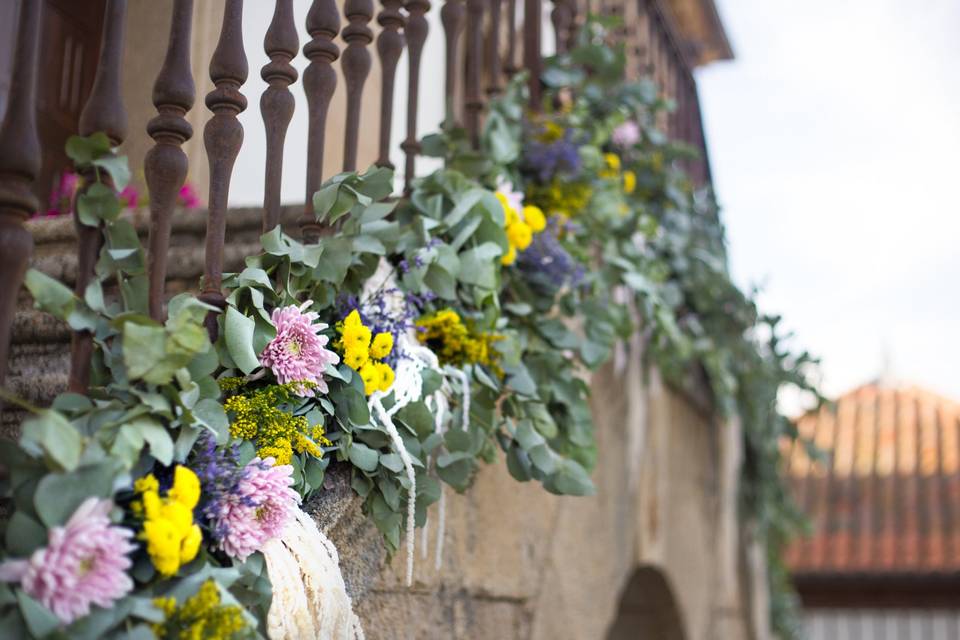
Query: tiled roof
(886, 501)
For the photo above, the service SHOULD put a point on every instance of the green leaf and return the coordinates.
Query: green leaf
(391, 461)
(40, 621)
(50, 295)
(117, 167)
(144, 348)
(570, 480)
(158, 438)
(24, 535)
(59, 494)
(238, 332)
(97, 204)
(84, 150)
(50, 434)
(363, 457)
(212, 415)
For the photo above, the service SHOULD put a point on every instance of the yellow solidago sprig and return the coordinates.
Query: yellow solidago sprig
(521, 223)
(612, 171)
(256, 415)
(457, 342)
(172, 537)
(364, 352)
(202, 616)
(562, 198)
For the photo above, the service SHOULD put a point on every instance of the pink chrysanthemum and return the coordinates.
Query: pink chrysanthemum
(626, 134)
(85, 562)
(298, 353)
(257, 511)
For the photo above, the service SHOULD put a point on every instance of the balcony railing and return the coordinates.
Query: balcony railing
(485, 45)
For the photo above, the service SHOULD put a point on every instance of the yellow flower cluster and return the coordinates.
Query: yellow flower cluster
(363, 352)
(277, 433)
(612, 171)
(202, 617)
(520, 227)
(456, 343)
(172, 537)
(563, 198)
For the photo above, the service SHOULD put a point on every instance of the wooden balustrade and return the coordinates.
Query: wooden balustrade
(532, 59)
(355, 64)
(165, 165)
(319, 83)
(494, 69)
(389, 47)
(562, 18)
(453, 17)
(416, 32)
(277, 103)
(510, 67)
(474, 69)
(19, 167)
(104, 112)
(222, 138)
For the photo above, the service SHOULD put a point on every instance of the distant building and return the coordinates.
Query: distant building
(882, 561)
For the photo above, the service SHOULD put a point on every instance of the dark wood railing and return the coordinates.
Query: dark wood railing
(475, 53)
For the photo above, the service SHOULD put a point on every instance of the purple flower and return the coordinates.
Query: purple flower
(549, 159)
(256, 510)
(626, 135)
(298, 353)
(547, 263)
(84, 563)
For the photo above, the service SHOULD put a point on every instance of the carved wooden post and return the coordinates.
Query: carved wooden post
(510, 67)
(562, 18)
(452, 16)
(494, 66)
(356, 67)
(319, 83)
(104, 112)
(531, 49)
(277, 103)
(222, 138)
(389, 47)
(416, 34)
(19, 167)
(474, 95)
(165, 166)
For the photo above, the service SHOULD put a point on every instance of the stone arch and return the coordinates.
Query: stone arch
(648, 609)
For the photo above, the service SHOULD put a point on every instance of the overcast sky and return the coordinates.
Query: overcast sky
(834, 140)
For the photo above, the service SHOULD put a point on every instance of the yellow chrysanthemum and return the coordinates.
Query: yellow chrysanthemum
(510, 216)
(356, 356)
(612, 160)
(163, 545)
(371, 377)
(386, 376)
(353, 319)
(519, 235)
(381, 346)
(355, 335)
(509, 257)
(190, 544)
(186, 487)
(629, 182)
(533, 216)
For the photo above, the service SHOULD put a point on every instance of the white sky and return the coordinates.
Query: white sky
(834, 139)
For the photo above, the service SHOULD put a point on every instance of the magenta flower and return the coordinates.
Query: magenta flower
(129, 197)
(258, 509)
(188, 196)
(626, 135)
(85, 562)
(298, 353)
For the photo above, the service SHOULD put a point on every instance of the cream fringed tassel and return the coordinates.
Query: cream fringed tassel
(309, 597)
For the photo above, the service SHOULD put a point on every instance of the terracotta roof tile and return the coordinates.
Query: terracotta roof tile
(887, 499)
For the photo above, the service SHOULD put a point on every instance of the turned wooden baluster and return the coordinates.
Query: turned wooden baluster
(416, 34)
(319, 83)
(562, 18)
(19, 167)
(356, 67)
(277, 103)
(165, 166)
(494, 65)
(104, 112)
(474, 95)
(389, 47)
(453, 16)
(532, 61)
(510, 67)
(222, 138)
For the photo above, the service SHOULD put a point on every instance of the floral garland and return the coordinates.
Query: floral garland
(409, 346)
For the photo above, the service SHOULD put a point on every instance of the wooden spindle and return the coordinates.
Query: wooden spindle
(453, 16)
(562, 18)
(356, 67)
(494, 65)
(319, 83)
(104, 112)
(222, 138)
(532, 60)
(19, 167)
(474, 95)
(165, 166)
(277, 103)
(389, 47)
(510, 67)
(416, 34)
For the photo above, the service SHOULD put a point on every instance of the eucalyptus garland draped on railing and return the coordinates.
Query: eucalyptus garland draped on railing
(412, 345)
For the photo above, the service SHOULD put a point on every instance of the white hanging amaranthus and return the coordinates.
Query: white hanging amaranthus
(309, 596)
